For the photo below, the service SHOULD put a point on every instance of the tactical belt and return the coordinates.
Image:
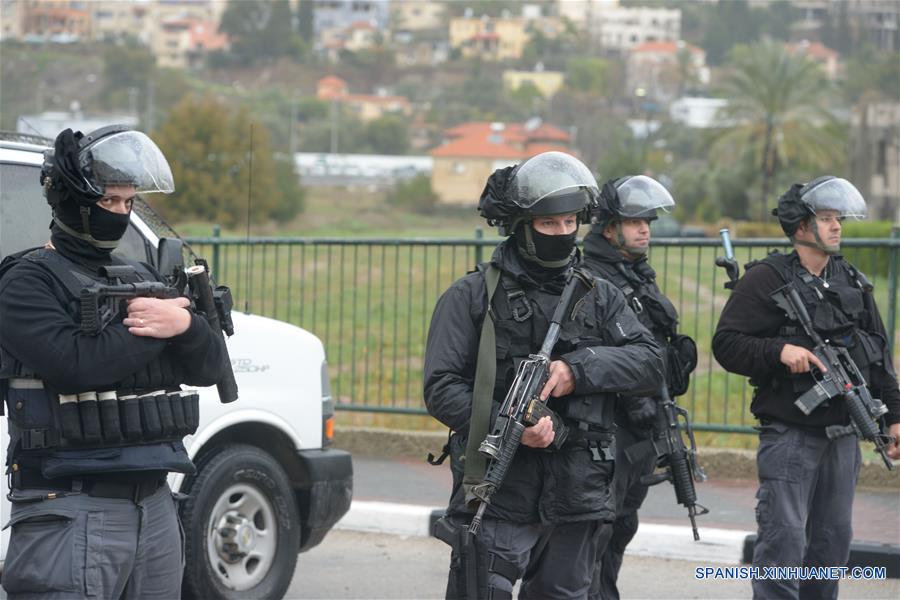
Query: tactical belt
(136, 491)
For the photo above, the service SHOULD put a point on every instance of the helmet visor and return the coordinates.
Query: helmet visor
(129, 158)
(641, 196)
(838, 195)
(550, 173)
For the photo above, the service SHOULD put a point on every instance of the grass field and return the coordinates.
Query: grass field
(371, 301)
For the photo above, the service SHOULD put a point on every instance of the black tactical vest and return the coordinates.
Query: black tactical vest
(138, 424)
(652, 308)
(521, 321)
(838, 304)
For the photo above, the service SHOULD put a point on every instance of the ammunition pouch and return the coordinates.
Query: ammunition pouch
(471, 564)
(681, 360)
(43, 420)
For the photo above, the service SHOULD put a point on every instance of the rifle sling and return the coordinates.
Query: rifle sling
(475, 465)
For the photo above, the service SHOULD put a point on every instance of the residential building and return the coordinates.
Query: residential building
(11, 12)
(546, 82)
(182, 42)
(356, 37)
(417, 15)
(340, 14)
(620, 29)
(111, 20)
(55, 20)
(875, 157)
(698, 113)
(365, 107)
(663, 71)
(425, 47)
(817, 52)
(472, 151)
(489, 38)
(875, 22)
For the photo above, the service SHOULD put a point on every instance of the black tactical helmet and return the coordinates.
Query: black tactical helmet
(630, 197)
(550, 183)
(81, 166)
(801, 202)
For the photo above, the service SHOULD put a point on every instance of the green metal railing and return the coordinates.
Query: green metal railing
(370, 302)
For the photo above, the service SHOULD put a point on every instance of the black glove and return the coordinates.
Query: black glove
(641, 411)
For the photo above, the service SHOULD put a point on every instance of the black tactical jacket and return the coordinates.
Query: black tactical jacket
(752, 331)
(608, 350)
(41, 338)
(637, 281)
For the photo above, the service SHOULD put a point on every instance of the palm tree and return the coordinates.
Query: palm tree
(776, 114)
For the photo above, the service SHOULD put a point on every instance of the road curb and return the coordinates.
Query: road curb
(657, 540)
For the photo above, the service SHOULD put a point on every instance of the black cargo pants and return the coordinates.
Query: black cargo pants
(805, 502)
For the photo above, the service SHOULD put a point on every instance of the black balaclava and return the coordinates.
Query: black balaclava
(544, 256)
(81, 230)
(105, 226)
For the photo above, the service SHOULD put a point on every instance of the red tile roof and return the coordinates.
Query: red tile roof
(486, 140)
(477, 147)
(665, 47)
(813, 49)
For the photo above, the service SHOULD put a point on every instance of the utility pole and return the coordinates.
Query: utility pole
(334, 122)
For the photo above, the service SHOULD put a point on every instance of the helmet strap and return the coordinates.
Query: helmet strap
(87, 237)
(819, 244)
(619, 244)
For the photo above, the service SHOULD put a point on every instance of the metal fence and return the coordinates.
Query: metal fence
(370, 302)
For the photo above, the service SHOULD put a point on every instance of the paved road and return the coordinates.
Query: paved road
(373, 566)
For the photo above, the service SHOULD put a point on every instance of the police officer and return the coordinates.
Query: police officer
(92, 438)
(542, 523)
(806, 480)
(616, 250)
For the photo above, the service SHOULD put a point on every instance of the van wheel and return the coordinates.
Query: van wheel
(242, 528)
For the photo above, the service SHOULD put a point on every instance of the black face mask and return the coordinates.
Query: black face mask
(105, 225)
(553, 247)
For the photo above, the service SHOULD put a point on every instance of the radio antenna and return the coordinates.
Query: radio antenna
(249, 253)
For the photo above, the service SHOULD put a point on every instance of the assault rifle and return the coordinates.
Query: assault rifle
(215, 305)
(522, 407)
(678, 459)
(842, 380)
(100, 303)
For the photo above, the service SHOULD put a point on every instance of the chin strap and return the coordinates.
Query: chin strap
(619, 244)
(830, 250)
(87, 237)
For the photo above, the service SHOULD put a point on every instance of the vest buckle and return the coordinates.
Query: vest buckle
(518, 314)
(38, 439)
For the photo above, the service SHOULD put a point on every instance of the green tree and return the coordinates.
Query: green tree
(127, 65)
(388, 135)
(588, 75)
(729, 23)
(259, 30)
(414, 194)
(776, 110)
(208, 147)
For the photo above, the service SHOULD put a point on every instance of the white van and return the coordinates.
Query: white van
(267, 484)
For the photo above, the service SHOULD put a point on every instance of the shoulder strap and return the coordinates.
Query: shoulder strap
(483, 390)
(778, 262)
(61, 268)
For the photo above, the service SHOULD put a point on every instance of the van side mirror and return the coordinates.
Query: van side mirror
(169, 257)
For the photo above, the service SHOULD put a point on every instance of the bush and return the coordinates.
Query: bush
(871, 261)
(414, 194)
